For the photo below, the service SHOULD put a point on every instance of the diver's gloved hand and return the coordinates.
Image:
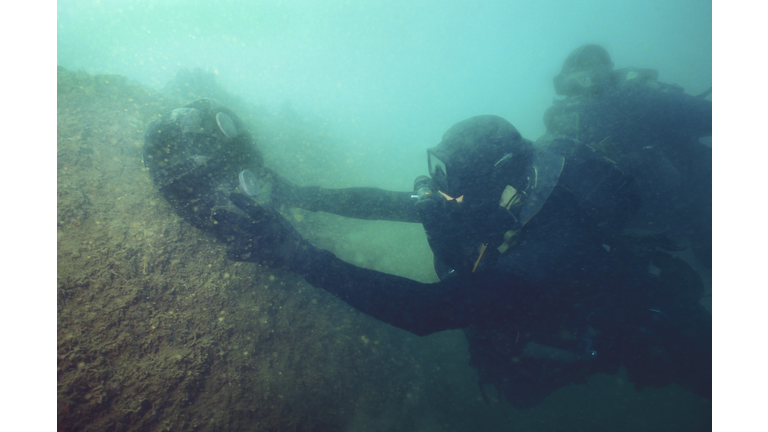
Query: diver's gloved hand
(263, 236)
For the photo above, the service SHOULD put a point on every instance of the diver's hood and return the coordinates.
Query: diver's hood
(587, 70)
(476, 154)
(485, 160)
(594, 80)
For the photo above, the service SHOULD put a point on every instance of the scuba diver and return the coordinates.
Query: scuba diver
(526, 242)
(653, 131)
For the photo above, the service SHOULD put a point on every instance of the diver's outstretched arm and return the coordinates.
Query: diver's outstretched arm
(267, 238)
(358, 203)
(483, 298)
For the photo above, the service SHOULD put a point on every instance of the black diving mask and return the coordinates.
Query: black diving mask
(449, 178)
(438, 170)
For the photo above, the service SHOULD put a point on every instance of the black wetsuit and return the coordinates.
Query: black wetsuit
(570, 299)
(652, 131)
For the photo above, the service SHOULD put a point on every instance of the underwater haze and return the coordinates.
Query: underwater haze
(390, 77)
(336, 93)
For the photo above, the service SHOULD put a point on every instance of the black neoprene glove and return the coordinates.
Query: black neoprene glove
(263, 236)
